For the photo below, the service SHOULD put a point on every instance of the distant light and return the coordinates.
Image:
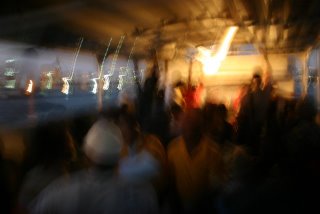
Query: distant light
(211, 62)
(9, 73)
(120, 85)
(106, 79)
(66, 86)
(95, 86)
(9, 60)
(30, 86)
(50, 80)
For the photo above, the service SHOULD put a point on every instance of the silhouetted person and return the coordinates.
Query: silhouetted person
(55, 152)
(252, 115)
(6, 199)
(148, 94)
(195, 164)
(100, 189)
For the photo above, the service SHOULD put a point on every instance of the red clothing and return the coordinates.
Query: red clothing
(193, 96)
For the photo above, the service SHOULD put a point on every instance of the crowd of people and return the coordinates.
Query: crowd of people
(183, 158)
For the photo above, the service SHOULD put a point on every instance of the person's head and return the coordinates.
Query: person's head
(111, 113)
(129, 127)
(215, 114)
(54, 143)
(192, 122)
(103, 143)
(222, 111)
(176, 113)
(256, 82)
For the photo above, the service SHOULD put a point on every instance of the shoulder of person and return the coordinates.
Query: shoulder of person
(175, 145)
(210, 143)
(152, 144)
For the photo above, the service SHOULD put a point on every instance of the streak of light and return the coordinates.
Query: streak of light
(95, 80)
(95, 85)
(211, 62)
(75, 59)
(104, 58)
(106, 77)
(66, 84)
(106, 84)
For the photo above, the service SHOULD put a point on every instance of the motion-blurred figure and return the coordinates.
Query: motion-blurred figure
(195, 165)
(143, 157)
(252, 115)
(55, 152)
(98, 190)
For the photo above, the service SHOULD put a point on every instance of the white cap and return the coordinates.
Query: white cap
(103, 143)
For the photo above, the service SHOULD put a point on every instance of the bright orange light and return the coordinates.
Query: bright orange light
(210, 62)
(30, 86)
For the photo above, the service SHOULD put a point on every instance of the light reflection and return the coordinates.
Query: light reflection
(211, 62)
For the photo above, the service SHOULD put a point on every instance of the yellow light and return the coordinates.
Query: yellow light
(210, 62)
(30, 86)
(66, 86)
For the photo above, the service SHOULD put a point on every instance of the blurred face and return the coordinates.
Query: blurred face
(129, 132)
(192, 124)
(256, 83)
(175, 123)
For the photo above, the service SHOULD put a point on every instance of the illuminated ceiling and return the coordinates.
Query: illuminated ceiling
(273, 25)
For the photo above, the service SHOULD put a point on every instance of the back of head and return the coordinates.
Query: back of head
(256, 81)
(54, 142)
(103, 143)
(222, 111)
(192, 123)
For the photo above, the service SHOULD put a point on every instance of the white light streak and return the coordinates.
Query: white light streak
(66, 84)
(104, 58)
(210, 62)
(126, 69)
(95, 80)
(75, 59)
(106, 78)
(95, 86)
(106, 84)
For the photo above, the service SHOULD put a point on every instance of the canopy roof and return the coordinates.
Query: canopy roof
(273, 25)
